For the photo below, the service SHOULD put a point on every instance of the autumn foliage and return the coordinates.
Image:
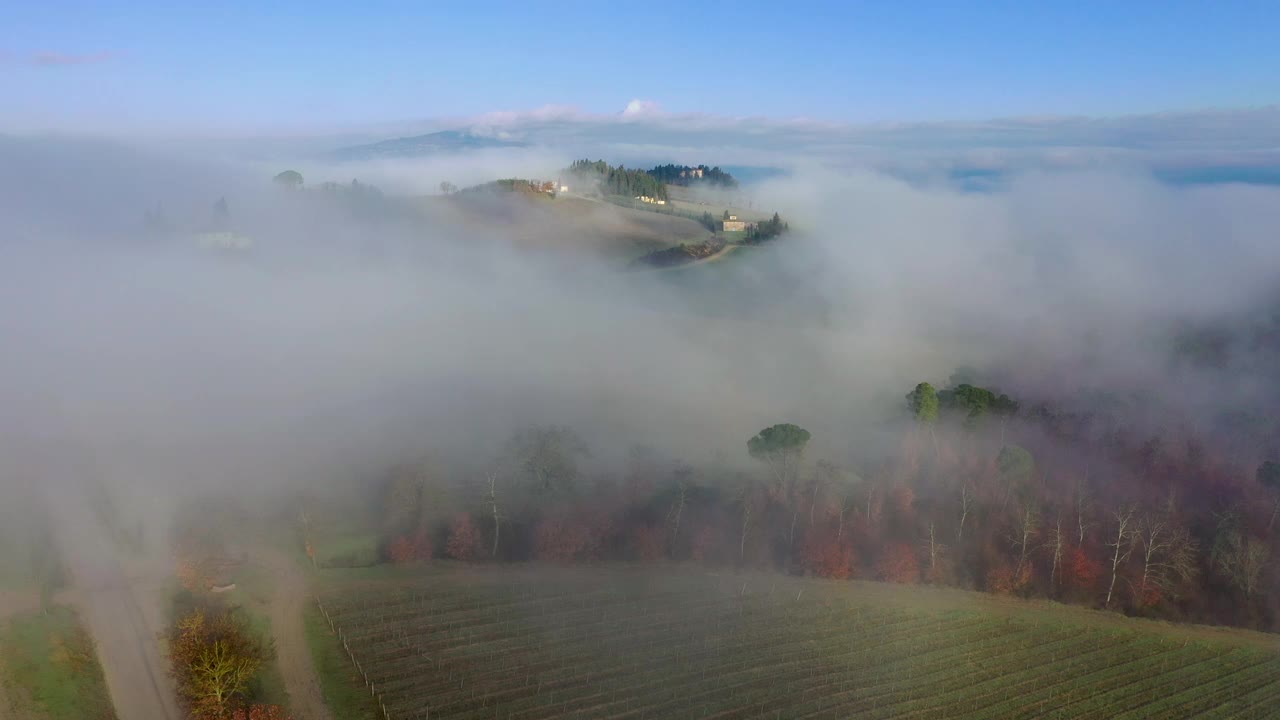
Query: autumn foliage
(1005, 579)
(260, 712)
(649, 543)
(464, 539)
(410, 547)
(1080, 570)
(898, 564)
(826, 557)
(563, 538)
(214, 659)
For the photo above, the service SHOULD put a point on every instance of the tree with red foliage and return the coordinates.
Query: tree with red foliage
(564, 539)
(649, 543)
(825, 555)
(898, 564)
(410, 547)
(902, 500)
(261, 712)
(1005, 579)
(1081, 571)
(464, 539)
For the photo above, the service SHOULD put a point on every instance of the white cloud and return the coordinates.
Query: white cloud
(641, 108)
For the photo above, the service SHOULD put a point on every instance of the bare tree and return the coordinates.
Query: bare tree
(936, 551)
(873, 488)
(748, 497)
(548, 455)
(677, 505)
(1055, 543)
(1121, 544)
(1025, 528)
(846, 503)
(491, 498)
(966, 499)
(1168, 555)
(1082, 508)
(840, 487)
(1239, 557)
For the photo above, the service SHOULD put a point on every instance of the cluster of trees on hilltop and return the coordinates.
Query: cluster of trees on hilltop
(686, 175)
(979, 491)
(618, 180)
(767, 229)
(519, 185)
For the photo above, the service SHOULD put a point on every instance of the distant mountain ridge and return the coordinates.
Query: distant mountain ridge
(445, 141)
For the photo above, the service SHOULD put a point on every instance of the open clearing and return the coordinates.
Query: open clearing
(567, 224)
(50, 661)
(539, 642)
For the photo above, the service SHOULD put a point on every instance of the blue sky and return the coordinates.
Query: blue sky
(320, 64)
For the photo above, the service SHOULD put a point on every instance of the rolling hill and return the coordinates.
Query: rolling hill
(573, 225)
(445, 141)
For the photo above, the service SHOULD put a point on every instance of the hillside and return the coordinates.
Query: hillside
(567, 224)
(542, 642)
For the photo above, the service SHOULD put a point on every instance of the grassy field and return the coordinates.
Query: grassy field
(358, 548)
(344, 691)
(568, 223)
(49, 665)
(254, 587)
(539, 642)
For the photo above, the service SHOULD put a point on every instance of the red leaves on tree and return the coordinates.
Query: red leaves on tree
(1079, 570)
(261, 712)
(1004, 579)
(903, 502)
(410, 547)
(649, 543)
(898, 564)
(463, 539)
(566, 539)
(826, 557)
(1148, 597)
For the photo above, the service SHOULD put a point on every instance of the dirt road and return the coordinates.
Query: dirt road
(124, 617)
(289, 601)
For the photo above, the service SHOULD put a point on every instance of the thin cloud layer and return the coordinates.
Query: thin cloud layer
(1247, 138)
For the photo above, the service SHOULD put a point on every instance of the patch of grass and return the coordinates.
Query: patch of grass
(348, 549)
(344, 692)
(51, 659)
(268, 686)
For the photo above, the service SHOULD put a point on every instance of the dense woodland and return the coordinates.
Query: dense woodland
(980, 492)
(618, 180)
(685, 175)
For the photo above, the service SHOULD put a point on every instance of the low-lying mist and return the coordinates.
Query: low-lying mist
(351, 336)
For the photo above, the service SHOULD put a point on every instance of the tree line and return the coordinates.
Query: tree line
(767, 229)
(687, 175)
(979, 493)
(619, 180)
